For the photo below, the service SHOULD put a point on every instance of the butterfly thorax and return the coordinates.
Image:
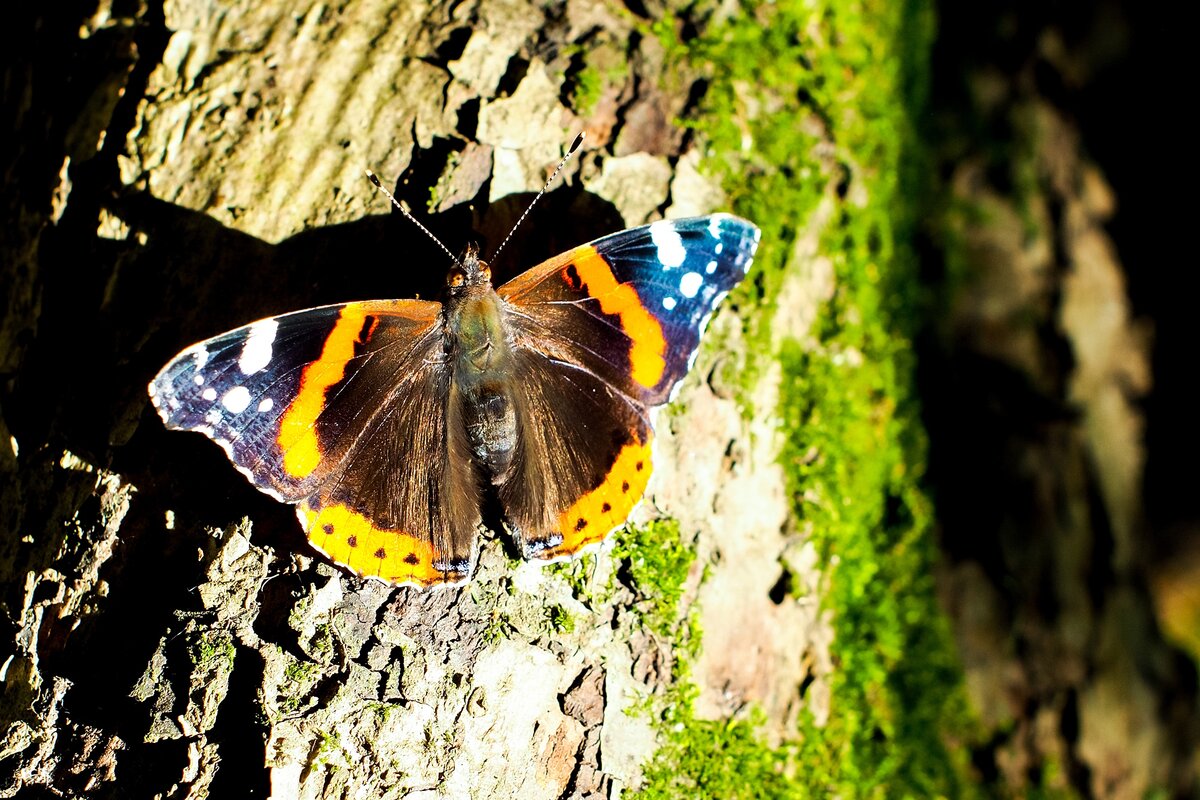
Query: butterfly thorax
(480, 351)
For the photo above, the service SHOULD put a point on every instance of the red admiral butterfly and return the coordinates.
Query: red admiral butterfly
(388, 422)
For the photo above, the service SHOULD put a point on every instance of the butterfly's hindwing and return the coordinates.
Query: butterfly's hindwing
(405, 506)
(583, 459)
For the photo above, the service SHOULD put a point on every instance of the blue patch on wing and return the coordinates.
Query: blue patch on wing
(234, 388)
(682, 269)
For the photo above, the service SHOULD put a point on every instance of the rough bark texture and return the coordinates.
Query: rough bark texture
(189, 167)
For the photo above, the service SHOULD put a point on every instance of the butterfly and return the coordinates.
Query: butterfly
(390, 423)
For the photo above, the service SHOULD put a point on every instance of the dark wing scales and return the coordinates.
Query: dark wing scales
(298, 401)
(405, 506)
(602, 334)
(631, 307)
(583, 460)
(234, 388)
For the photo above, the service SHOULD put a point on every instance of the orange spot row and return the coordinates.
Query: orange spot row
(297, 437)
(646, 353)
(352, 540)
(598, 512)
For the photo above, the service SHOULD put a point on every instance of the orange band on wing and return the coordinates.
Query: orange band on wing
(352, 540)
(647, 348)
(297, 437)
(594, 515)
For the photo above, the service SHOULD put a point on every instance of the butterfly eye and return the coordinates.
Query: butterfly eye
(456, 279)
(485, 272)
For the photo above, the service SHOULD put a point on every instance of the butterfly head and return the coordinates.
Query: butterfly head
(471, 271)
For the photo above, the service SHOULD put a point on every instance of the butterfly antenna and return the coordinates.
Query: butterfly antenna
(403, 206)
(570, 152)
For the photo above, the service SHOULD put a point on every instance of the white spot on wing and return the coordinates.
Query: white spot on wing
(266, 405)
(670, 246)
(711, 268)
(256, 352)
(690, 283)
(236, 399)
(714, 227)
(669, 303)
(720, 246)
(199, 379)
(209, 394)
(228, 448)
(201, 356)
(213, 418)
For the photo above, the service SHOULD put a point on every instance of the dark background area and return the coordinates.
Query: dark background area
(1127, 67)
(1054, 600)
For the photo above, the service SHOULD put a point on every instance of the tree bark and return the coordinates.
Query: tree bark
(188, 168)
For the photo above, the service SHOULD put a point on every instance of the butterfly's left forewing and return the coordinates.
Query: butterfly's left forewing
(259, 391)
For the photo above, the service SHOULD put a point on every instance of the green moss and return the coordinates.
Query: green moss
(586, 93)
(578, 574)
(322, 646)
(298, 615)
(382, 711)
(212, 651)
(785, 77)
(656, 562)
(719, 759)
(651, 559)
(294, 691)
(300, 672)
(594, 71)
(499, 627)
(440, 189)
(560, 619)
(330, 751)
(710, 758)
(899, 701)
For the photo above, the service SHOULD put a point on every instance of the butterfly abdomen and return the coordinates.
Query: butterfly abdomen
(481, 351)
